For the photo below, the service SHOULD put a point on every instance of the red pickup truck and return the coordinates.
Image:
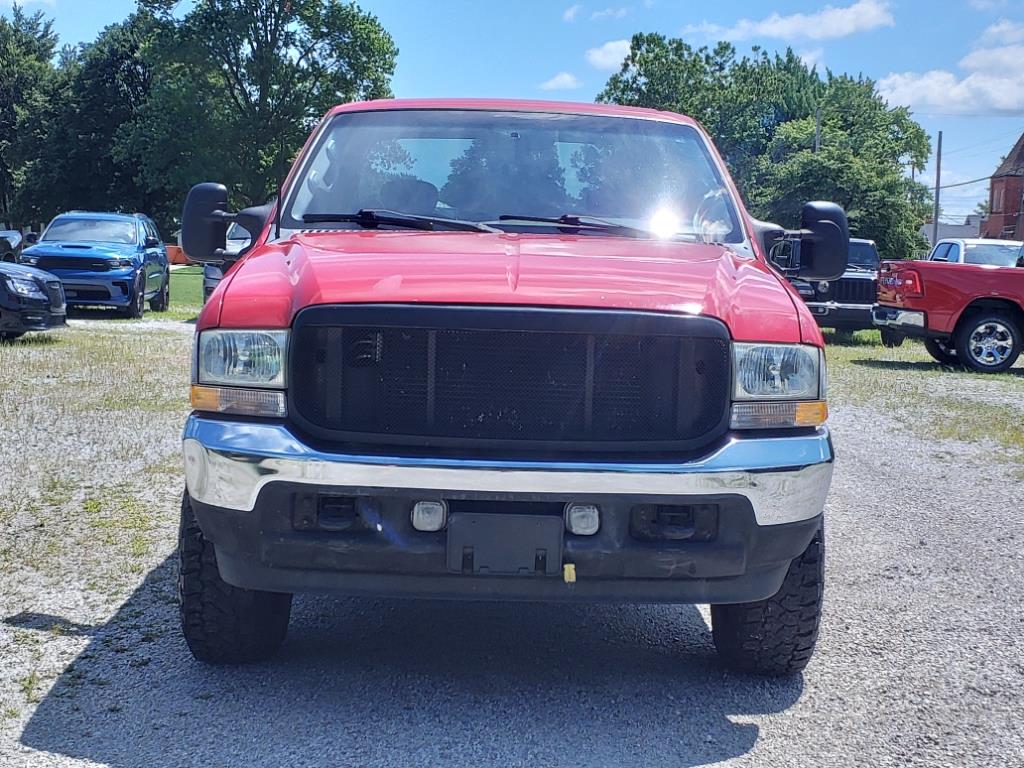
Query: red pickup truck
(968, 312)
(507, 350)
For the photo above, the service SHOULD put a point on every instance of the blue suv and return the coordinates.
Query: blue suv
(105, 259)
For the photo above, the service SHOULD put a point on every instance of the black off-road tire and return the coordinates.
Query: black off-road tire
(223, 624)
(11, 335)
(965, 349)
(942, 351)
(891, 338)
(137, 308)
(162, 301)
(776, 636)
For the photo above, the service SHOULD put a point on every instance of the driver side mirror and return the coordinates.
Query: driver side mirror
(150, 242)
(31, 238)
(204, 222)
(820, 249)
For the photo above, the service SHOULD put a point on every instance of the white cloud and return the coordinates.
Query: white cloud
(992, 82)
(1004, 32)
(563, 81)
(978, 93)
(608, 13)
(813, 58)
(827, 24)
(608, 56)
(570, 13)
(1003, 59)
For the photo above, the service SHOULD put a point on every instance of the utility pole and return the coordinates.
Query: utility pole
(817, 130)
(938, 176)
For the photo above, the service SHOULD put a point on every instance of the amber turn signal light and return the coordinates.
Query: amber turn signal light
(243, 402)
(809, 413)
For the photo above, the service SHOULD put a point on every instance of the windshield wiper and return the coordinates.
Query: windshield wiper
(579, 222)
(374, 217)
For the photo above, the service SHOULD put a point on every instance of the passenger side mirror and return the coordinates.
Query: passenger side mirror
(819, 250)
(824, 241)
(204, 222)
(151, 242)
(31, 238)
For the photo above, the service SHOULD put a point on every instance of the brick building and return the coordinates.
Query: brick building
(1005, 197)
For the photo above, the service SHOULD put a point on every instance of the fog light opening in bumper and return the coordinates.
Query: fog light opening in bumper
(582, 519)
(429, 516)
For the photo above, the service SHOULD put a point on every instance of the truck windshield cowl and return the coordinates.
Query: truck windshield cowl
(514, 171)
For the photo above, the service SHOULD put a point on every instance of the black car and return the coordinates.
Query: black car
(30, 300)
(11, 242)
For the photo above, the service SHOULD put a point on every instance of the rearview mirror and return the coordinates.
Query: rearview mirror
(824, 241)
(204, 222)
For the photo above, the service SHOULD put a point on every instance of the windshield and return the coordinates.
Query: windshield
(91, 230)
(863, 255)
(480, 165)
(991, 253)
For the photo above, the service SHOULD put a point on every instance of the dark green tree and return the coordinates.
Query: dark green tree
(27, 46)
(241, 84)
(67, 139)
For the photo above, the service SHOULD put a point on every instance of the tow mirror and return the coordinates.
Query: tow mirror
(819, 250)
(824, 241)
(204, 222)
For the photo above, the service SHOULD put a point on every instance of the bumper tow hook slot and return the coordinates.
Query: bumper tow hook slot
(569, 573)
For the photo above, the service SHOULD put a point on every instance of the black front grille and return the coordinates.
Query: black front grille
(511, 377)
(80, 263)
(56, 295)
(853, 291)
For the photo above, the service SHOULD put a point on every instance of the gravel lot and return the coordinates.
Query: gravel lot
(920, 662)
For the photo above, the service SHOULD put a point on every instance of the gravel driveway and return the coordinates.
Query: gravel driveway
(920, 662)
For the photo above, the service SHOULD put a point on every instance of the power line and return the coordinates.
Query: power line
(965, 183)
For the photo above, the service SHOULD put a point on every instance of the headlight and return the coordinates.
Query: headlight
(777, 372)
(24, 287)
(27, 258)
(242, 358)
(121, 263)
(777, 386)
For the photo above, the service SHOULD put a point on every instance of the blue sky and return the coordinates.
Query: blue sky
(956, 63)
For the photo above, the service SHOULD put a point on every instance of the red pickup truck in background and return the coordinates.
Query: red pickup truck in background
(969, 314)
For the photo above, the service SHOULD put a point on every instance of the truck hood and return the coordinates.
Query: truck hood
(83, 249)
(270, 285)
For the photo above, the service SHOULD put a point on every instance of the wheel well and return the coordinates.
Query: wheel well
(9, 257)
(1004, 306)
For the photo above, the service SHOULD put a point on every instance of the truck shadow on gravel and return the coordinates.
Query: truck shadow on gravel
(925, 365)
(379, 682)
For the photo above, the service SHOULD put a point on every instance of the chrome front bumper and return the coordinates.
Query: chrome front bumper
(785, 479)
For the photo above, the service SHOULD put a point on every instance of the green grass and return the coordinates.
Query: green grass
(186, 295)
(936, 401)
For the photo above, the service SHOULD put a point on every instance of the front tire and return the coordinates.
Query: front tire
(137, 308)
(890, 338)
(775, 636)
(942, 351)
(988, 342)
(11, 335)
(162, 301)
(223, 624)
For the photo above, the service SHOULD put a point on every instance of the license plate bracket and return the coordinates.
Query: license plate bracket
(485, 544)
